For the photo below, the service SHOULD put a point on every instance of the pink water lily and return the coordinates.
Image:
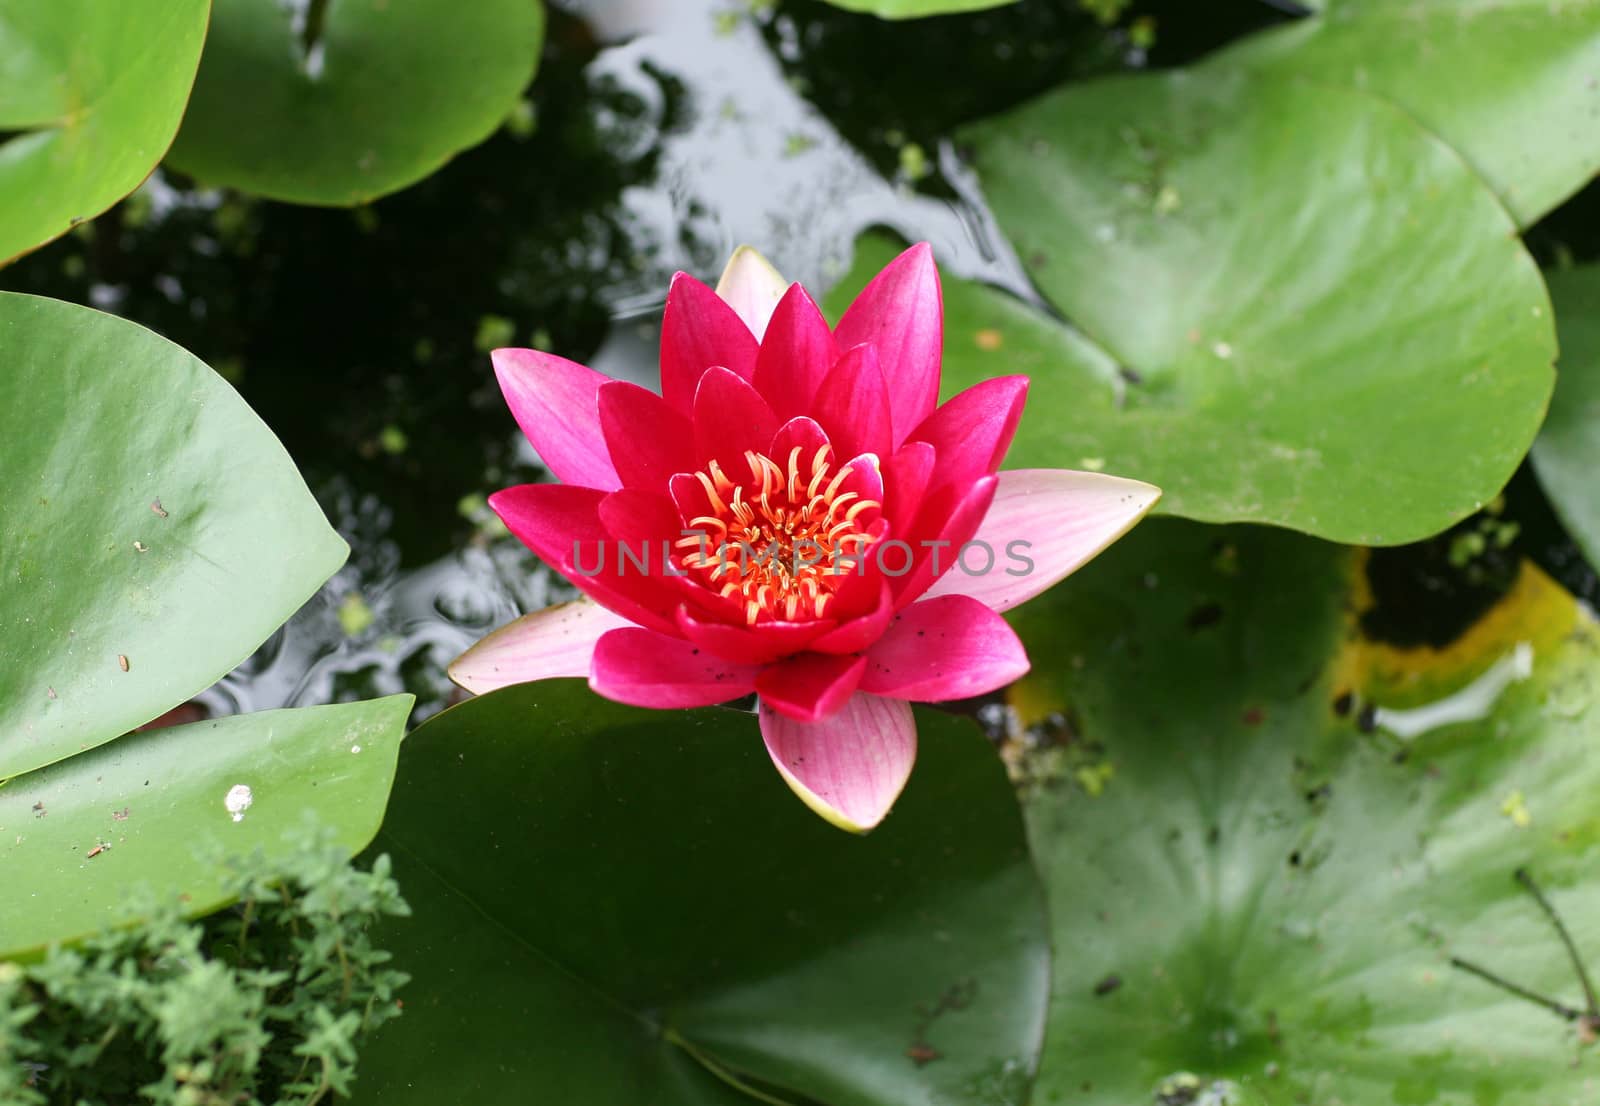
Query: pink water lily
(793, 515)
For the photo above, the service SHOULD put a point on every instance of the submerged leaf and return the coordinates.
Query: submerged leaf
(1567, 454)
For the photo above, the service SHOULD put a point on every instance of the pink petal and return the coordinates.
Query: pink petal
(752, 287)
(648, 441)
(698, 331)
(557, 641)
(905, 478)
(901, 314)
(730, 417)
(759, 644)
(948, 520)
(1043, 525)
(952, 647)
(850, 767)
(795, 355)
(971, 432)
(648, 669)
(852, 405)
(555, 402)
(812, 686)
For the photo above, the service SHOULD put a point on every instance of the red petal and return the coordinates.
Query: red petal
(759, 644)
(905, 479)
(730, 417)
(901, 314)
(795, 355)
(972, 431)
(699, 330)
(947, 522)
(561, 523)
(859, 632)
(811, 686)
(649, 670)
(648, 440)
(852, 405)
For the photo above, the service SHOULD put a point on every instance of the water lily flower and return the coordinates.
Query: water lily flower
(793, 515)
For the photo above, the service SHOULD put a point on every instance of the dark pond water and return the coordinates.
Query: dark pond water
(658, 135)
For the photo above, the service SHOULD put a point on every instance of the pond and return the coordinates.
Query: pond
(1293, 770)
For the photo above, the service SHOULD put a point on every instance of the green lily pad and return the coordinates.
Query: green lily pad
(620, 906)
(96, 89)
(385, 93)
(1293, 305)
(917, 9)
(1510, 84)
(1567, 454)
(161, 811)
(1259, 893)
(154, 532)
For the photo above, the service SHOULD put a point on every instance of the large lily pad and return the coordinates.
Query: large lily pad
(373, 97)
(1511, 84)
(162, 810)
(618, 906)
(1259, 892)
(96, 89)
(1293, 304)
(154, 532)
(1567, 454)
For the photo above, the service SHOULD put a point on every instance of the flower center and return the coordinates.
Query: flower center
(782, 542)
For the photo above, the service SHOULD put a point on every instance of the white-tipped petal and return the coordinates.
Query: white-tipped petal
(557, 641)
(1042, 526)
(851, 766)
(752, 287)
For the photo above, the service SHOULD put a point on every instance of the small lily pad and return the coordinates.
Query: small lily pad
(93, 90)
(160, 812)
(338, 102)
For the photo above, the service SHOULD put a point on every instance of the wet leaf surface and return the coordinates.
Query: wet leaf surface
(159, 813)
